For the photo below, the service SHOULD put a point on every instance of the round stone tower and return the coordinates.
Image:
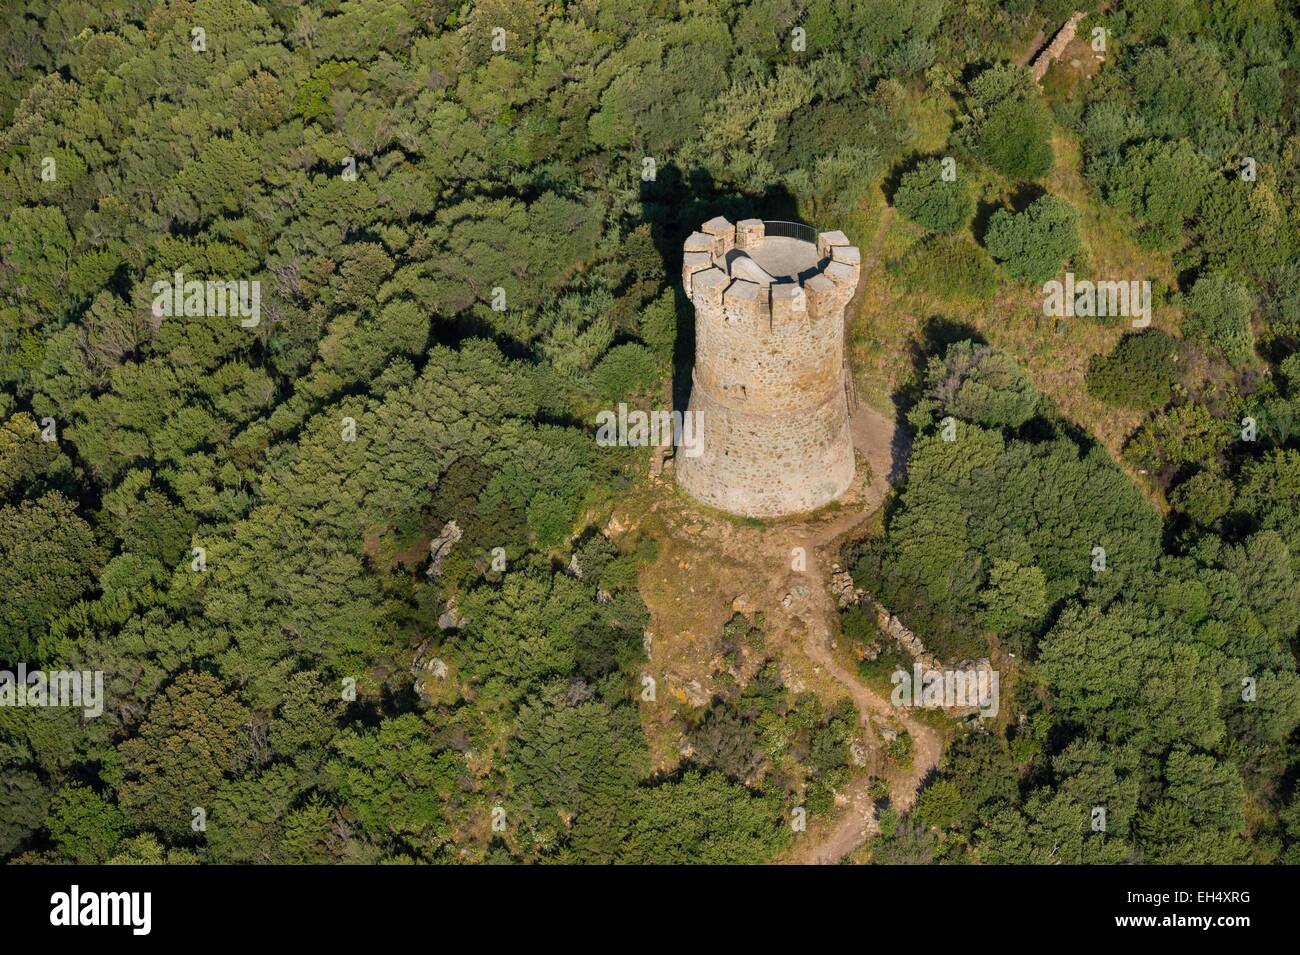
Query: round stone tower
(770, 389)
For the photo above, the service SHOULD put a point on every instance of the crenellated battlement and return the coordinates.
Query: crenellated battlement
(768, 284)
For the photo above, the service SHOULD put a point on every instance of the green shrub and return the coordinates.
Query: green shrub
(1282, 307)
(1015, 139)
(1217, 317)
(1007, 125)
(819, 799)
(889, 821)
(858, 624)
(939, 804)
(620, 574)
(1204, 497)
(1161, 183)
(899, 749)
(1014, 594)
(978, 384)
(1138, 374)
(1033, 245)
(623, 372)
(926, 199)
(658, 326)
(1185, 434)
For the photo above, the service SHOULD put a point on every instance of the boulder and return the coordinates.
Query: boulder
(441, 546)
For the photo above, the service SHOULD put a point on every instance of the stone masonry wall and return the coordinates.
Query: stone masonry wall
(1054, 49)
(741, 357)
(766, 465)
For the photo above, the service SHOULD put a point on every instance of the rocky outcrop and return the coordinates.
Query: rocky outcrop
(686, 690)
(847, 593)
(451, 618)
(428, 669)
(441, 546)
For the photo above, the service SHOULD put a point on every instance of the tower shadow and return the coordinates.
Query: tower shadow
(674, 205)
(936, 334)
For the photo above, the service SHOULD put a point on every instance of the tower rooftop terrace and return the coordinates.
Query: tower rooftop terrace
(782, 258)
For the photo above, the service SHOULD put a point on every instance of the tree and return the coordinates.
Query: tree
(1204, 497)
(730, 743)
(145, 849)
(47, 559)
(24, 802)
(924, 197)
(980, 767)
(1107, 673)
(1007, 125)
(1182, 435)
(1138, 373)
(1210, 791)
(1014, 138)
(246, 818)
(193, 736)
(1161, 183)
(1263, 564)
(37, 248)
(1032, 245)
(939, 804)
(1182, 90)
(85, 826)
(702, 818)
(28, 463)
(1015, 594)
(1268, 493)
(393, 782)
(307, 718)
(907, 844)
(624, 371)
(981, 385)
(575, 767)
(527, 632)
(1218, 317)
(1244, 230)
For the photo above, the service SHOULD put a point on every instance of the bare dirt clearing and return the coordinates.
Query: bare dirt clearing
(710, 565)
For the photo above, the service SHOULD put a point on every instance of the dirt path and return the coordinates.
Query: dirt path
(1034, 46)
(885, 448)
(877, 438)
(858, 818)
(709, 567)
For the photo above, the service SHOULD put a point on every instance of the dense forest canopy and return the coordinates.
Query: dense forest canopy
(344, 567)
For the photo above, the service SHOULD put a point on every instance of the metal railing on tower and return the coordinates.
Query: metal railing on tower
(780, 229)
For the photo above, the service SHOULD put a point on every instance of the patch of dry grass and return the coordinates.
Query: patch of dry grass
(886, 322)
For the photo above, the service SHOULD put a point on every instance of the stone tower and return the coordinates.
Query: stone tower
(769, 389)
